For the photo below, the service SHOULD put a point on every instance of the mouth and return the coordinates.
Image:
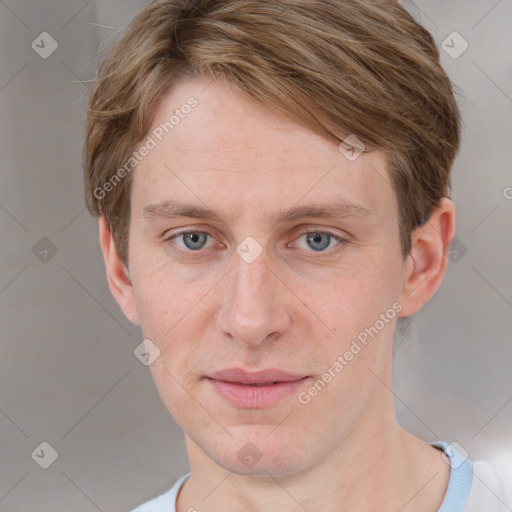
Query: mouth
(258, 385)
(254, 390)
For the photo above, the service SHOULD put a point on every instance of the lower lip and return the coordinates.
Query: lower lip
(255, 397)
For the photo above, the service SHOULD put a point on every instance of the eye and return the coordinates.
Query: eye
(192, 240)
(319, 241)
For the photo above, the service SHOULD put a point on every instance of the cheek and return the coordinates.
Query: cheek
(351, 307)
(348, 300)
(164, 299)
(174, 314)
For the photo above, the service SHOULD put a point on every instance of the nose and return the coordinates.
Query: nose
(254, 308)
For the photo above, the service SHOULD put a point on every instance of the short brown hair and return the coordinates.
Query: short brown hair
(337, 67)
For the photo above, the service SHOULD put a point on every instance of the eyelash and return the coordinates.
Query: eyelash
(341, 241)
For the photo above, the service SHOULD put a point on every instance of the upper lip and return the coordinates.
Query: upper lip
(260, 377)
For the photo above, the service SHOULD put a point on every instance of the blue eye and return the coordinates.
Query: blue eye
(193, 240)
(319, 241)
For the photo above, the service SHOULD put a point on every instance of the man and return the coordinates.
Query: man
(272, 182)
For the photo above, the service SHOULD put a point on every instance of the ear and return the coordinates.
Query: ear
(426, 264)
(118, 276)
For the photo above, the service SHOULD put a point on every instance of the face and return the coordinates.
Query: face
(272, 277)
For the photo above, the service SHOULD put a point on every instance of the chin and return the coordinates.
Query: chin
(254, 451)
(282, 466)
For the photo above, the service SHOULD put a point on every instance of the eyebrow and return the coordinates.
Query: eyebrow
(172, 209)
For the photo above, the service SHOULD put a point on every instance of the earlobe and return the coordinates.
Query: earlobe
(118, 276)
(425, 266)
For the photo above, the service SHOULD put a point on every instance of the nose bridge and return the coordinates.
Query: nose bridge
(251, 281)
(251, 308)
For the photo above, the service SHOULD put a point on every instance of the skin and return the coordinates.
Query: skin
(293, 308)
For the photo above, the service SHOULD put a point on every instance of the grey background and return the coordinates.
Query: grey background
(68, 375)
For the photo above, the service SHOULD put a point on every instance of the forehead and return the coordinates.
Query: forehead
(227, 149)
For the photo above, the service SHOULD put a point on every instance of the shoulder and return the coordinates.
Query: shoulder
(165, 502)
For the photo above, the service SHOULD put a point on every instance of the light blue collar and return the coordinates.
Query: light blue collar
(461, 479)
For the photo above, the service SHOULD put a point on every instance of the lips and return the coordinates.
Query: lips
(254, 390)
(259, 378)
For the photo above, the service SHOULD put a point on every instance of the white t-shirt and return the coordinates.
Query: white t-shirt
(472, 487)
